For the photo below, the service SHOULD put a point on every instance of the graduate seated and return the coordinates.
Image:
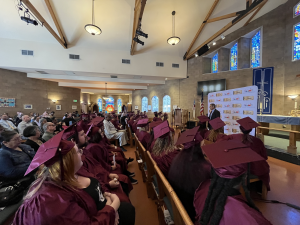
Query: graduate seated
(165, 116)
(218, 201)
(61, 196)
(217, 131)
(156, 118)
(143, 134)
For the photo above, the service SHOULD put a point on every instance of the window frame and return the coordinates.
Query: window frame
(164, 104)
(294, 16)
(101, 104)
(236, 43)
(261, 53)
(147, 104)
(118, 105)
(212, 61)
(293, 36)
(157, 104)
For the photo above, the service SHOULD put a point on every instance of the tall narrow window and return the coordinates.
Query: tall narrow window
(297, 10)
(110, 105)
(119, 105)
(296, 52)
(99, 103)
(255, 50)
(155, 104)
(144, 104)
(215, 63)
(233, 57)
(167, 104)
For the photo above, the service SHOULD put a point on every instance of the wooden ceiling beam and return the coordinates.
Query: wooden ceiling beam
(230, 15)
(36, 13)
(202, 26)
(254, 14)
(253, 7)
(138, 15)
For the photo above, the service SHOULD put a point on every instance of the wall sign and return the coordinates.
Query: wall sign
(7, 102)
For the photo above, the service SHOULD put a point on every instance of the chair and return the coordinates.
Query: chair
(264, 190)
(129, 133)
(137, 153)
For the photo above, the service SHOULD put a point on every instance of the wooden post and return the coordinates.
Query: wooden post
(292, 147)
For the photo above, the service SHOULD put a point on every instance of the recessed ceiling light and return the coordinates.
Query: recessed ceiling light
(166, 78)
(196, 54)
(214, 43)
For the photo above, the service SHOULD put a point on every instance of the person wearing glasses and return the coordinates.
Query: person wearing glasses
(49, 129)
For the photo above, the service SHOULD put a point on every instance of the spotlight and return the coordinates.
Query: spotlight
(214, 43)
(28, 20)
(138, 41)
(223, 37)
(208, 47)
(141, 33)
(196, 54)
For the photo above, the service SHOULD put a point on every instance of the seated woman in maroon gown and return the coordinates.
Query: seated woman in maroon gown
(163, 151)
(218, 201)
(217, 132)
(156, 118)
(61, 196)
(143, 134)
(261, 169)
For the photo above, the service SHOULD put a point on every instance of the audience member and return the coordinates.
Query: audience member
(25, 123)
(42, 122)
(69, 120)
(6, 124)
(1, 130)
(33, 134)
(49, 129)
(36, 121)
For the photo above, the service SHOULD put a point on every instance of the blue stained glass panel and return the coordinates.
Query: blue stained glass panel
(119, 105)
(99, 103)
(144, 104)
(215, 63)
(154, 104)
(297, 10)
(233, 57)
(297, 42)
(255, 50)
(167, 104)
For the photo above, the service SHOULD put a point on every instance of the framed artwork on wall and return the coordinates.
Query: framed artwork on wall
(7, 102)
(58, 107)
(74, 106)
(27, 106)
(136, 107)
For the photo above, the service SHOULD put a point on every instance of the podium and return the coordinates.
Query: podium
(177, 117)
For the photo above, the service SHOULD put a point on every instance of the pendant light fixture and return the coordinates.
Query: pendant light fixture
(106, 96)
(91, 28)
(173, 40)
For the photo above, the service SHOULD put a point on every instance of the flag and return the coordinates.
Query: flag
(194, 108)
(202, 105)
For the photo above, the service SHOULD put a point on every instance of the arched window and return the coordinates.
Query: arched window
(167, 104)
(214, 67)
(154, 104)
(110, 105)
(233, 57)
(297, 10)
(144, 104)
(296, 51)
(119, 105)
(255, 50)
(99, 103)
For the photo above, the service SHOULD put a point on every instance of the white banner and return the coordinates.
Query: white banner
(235, 104)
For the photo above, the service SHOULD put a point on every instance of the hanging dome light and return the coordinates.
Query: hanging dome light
(173, 40)
(91, 28)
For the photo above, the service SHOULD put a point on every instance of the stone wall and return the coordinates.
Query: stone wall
(277, 45)
(38, 93)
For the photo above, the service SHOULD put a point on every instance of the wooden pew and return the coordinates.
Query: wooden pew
(129, 133)
(137, 153)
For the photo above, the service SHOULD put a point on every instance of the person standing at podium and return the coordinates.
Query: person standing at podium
(214, 113)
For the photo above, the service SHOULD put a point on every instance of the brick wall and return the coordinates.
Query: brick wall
(276, 52)
(38, 93)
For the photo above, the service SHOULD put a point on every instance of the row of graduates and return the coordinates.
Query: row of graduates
(82, 179)
(208, 187)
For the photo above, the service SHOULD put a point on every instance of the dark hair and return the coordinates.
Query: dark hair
(75, 137)
(8, 135)
(95, 138)
(213, 104)
(246, 137)
(202, 125)
(30, 131)
(219, 189)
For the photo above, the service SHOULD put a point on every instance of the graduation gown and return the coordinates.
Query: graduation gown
(143, 138)
(164, 162)
(53, 204)
(156, 119)
(236, 210)
(261, 169)
(130, 123)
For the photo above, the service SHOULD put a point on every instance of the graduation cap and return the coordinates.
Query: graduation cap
(154, 124)
(96, 121)
(230, 158)
(84, 116)
(187, 136)
(217, 123)
(142, 122)
(50, 152)
(203, 119)
(162, 130)
(247, 123)
(72, 130)
(84, 125)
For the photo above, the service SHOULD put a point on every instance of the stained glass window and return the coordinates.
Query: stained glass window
(144, 104)
(99, 104)
(119, 105)
(255, 50)
(155, 104)
(215, 63)
(297, 10)
(297, 42)
(167, 104)
(110, 105)
(233, 57)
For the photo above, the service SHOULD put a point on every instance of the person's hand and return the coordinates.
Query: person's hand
(113, 176)
(113, 167)
(114, 183)
(202, 143)
(112, 145)
(117, 218)
(108, 198)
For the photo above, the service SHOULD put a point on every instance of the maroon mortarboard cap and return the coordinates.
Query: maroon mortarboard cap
(142, 122)
(154, 124)
(84, 116)
(229, 158)
(203, 119)
(84, 125)
(247, 123)
(93, 131)
(71, 130)
(50, 152)
(187, 136)
(96, 120)
(161, 130)
(217, 123)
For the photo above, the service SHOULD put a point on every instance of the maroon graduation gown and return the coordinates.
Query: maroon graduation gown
(130, 122)
(164, 162)
(261, 169)
(143, 138)
(156, 119)
(236, 210)
(53, 204)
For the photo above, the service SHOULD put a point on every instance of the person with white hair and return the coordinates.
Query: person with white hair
(6, 124)
(49, 129)
(25, 123)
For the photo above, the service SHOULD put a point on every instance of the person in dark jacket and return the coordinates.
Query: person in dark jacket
(1, 130)
(14, 156)
(33, 134)
(214, 113)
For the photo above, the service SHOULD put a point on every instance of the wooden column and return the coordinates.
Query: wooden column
(292, 147)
